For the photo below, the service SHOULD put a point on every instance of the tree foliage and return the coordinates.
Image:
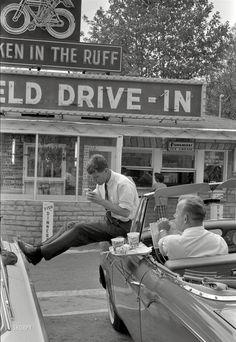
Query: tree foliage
(163, 38)
(171, 39)
(222, 84)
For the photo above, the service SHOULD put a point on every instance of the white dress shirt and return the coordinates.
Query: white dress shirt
(193, 242)
(121, 191)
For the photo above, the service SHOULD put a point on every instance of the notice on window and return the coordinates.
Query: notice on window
(180, 146)
(47, 229)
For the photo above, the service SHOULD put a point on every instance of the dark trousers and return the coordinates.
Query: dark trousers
(80, 234)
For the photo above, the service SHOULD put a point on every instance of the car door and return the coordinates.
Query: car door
(127, 275)
(159, 319)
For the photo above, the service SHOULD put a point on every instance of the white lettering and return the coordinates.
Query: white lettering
(11, 97)
(2, 84)
(114, 57)
(166, 100)
(106, 56)
(10, 50)
(30, 87)
(85, 94)
(131, 98)
(100, 97)
(100, 57)
(65, 100)
(87, 56)
(37, 52)
(186, 104)
(73, 55)
(64, 55)
(96, 57)
(114, 101)
(55, 50)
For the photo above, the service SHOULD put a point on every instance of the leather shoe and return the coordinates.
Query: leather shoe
(32, 254)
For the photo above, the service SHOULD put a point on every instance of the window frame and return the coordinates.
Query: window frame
(225, 162)
(138, 167)
(25, 164)
(178, 169)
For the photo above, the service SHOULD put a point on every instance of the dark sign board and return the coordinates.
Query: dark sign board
(60, 55)
(46, 34)
(41, 20)
(33, 92)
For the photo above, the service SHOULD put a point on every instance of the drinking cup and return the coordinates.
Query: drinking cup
(117, 242)
(133, 239)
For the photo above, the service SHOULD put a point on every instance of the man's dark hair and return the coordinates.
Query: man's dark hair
(159, 177)
(96, 163)
(194, 206)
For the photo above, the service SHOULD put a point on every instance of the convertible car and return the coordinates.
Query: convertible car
(21, 317)
(185, 300)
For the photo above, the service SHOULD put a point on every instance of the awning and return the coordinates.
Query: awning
(113, 129)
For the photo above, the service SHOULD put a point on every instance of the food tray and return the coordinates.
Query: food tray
(140, 250)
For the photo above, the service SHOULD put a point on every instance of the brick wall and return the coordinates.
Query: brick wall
(24, 218)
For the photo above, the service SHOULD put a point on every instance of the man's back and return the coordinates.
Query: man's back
(194, 242)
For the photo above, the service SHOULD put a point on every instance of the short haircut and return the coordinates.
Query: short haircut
(97, 163)
(194, 206)
(159, 176)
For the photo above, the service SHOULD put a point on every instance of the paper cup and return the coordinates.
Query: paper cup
(117, 242)
(133, 239)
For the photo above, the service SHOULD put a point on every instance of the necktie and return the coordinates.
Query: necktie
(108, 212)
(106, 192)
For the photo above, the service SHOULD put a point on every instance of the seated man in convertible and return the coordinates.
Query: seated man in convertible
(194, 240)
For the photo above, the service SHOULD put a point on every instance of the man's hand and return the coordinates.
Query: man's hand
(163, 224)
(94, 197)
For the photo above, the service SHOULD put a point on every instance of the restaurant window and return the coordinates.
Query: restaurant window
(138, 165)
(56, 167)
(214, 162)
(174, 160)
(178, 168)
(51, 168)
(60, 167)
(12, 168)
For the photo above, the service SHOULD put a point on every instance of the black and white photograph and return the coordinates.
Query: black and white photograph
(118, 170)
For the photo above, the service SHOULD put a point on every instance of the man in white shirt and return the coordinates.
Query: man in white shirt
(194, 240)
(119, 197)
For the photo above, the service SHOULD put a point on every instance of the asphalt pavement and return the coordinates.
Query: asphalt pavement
(71, 298)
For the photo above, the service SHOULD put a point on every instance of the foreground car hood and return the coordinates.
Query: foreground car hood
(27, 322)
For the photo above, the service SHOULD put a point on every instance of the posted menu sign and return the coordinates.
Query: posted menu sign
(47, 229)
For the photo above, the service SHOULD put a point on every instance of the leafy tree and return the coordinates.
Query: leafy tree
(222, 84)
(163, 38)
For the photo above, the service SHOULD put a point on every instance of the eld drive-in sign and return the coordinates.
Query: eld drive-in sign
(78, 94)
(46, 34)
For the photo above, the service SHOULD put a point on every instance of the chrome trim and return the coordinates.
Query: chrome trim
(208, 295)
(200, 338)
(6, 309)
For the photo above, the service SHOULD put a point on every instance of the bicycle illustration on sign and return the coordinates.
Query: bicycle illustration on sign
(30, 14)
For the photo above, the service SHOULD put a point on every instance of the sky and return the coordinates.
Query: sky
(227, 9)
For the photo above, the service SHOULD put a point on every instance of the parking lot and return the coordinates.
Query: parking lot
(72, 300)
